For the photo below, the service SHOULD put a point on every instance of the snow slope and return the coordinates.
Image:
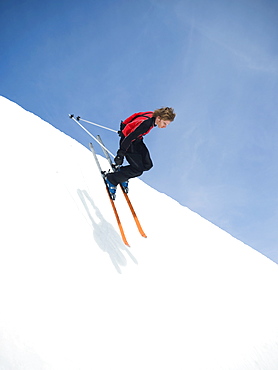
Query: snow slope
(73, 297)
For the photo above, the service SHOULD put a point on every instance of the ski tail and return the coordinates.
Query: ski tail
(139, 227)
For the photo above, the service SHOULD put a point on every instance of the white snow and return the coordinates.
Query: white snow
(73, 296)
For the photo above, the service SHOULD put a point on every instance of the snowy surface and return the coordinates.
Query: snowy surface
(73, 296)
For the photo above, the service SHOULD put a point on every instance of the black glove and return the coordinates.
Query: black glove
(119, 157)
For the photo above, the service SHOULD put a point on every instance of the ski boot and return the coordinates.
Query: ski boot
(111, 188)
(125, 186)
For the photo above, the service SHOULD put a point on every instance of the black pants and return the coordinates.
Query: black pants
(139, 161)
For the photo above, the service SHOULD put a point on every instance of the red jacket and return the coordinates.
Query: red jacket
(132, 122)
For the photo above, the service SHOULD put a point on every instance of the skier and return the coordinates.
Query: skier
(133, 148)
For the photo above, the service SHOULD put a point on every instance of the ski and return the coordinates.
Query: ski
(107, 156)
(111, 200)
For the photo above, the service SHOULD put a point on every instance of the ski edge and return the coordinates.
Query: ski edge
(111, 200)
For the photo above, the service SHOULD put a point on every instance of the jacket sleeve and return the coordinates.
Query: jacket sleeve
(140, 130)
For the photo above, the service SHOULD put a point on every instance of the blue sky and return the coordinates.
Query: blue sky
(215, 62)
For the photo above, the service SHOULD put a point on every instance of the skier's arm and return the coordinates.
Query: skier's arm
(140, 130)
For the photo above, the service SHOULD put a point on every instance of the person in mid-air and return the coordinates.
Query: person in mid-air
(133, 148)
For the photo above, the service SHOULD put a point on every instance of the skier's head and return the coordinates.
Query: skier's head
(164, 116)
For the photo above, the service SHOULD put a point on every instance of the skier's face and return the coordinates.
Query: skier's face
(161, 123)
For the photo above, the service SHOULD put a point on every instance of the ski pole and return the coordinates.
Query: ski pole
(95, 124)
(92, 136)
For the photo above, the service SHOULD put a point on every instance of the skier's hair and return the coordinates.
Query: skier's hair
(165, 113)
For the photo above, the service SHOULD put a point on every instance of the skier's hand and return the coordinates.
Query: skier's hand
(119, 158)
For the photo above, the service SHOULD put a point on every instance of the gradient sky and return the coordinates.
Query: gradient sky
(215, 62)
